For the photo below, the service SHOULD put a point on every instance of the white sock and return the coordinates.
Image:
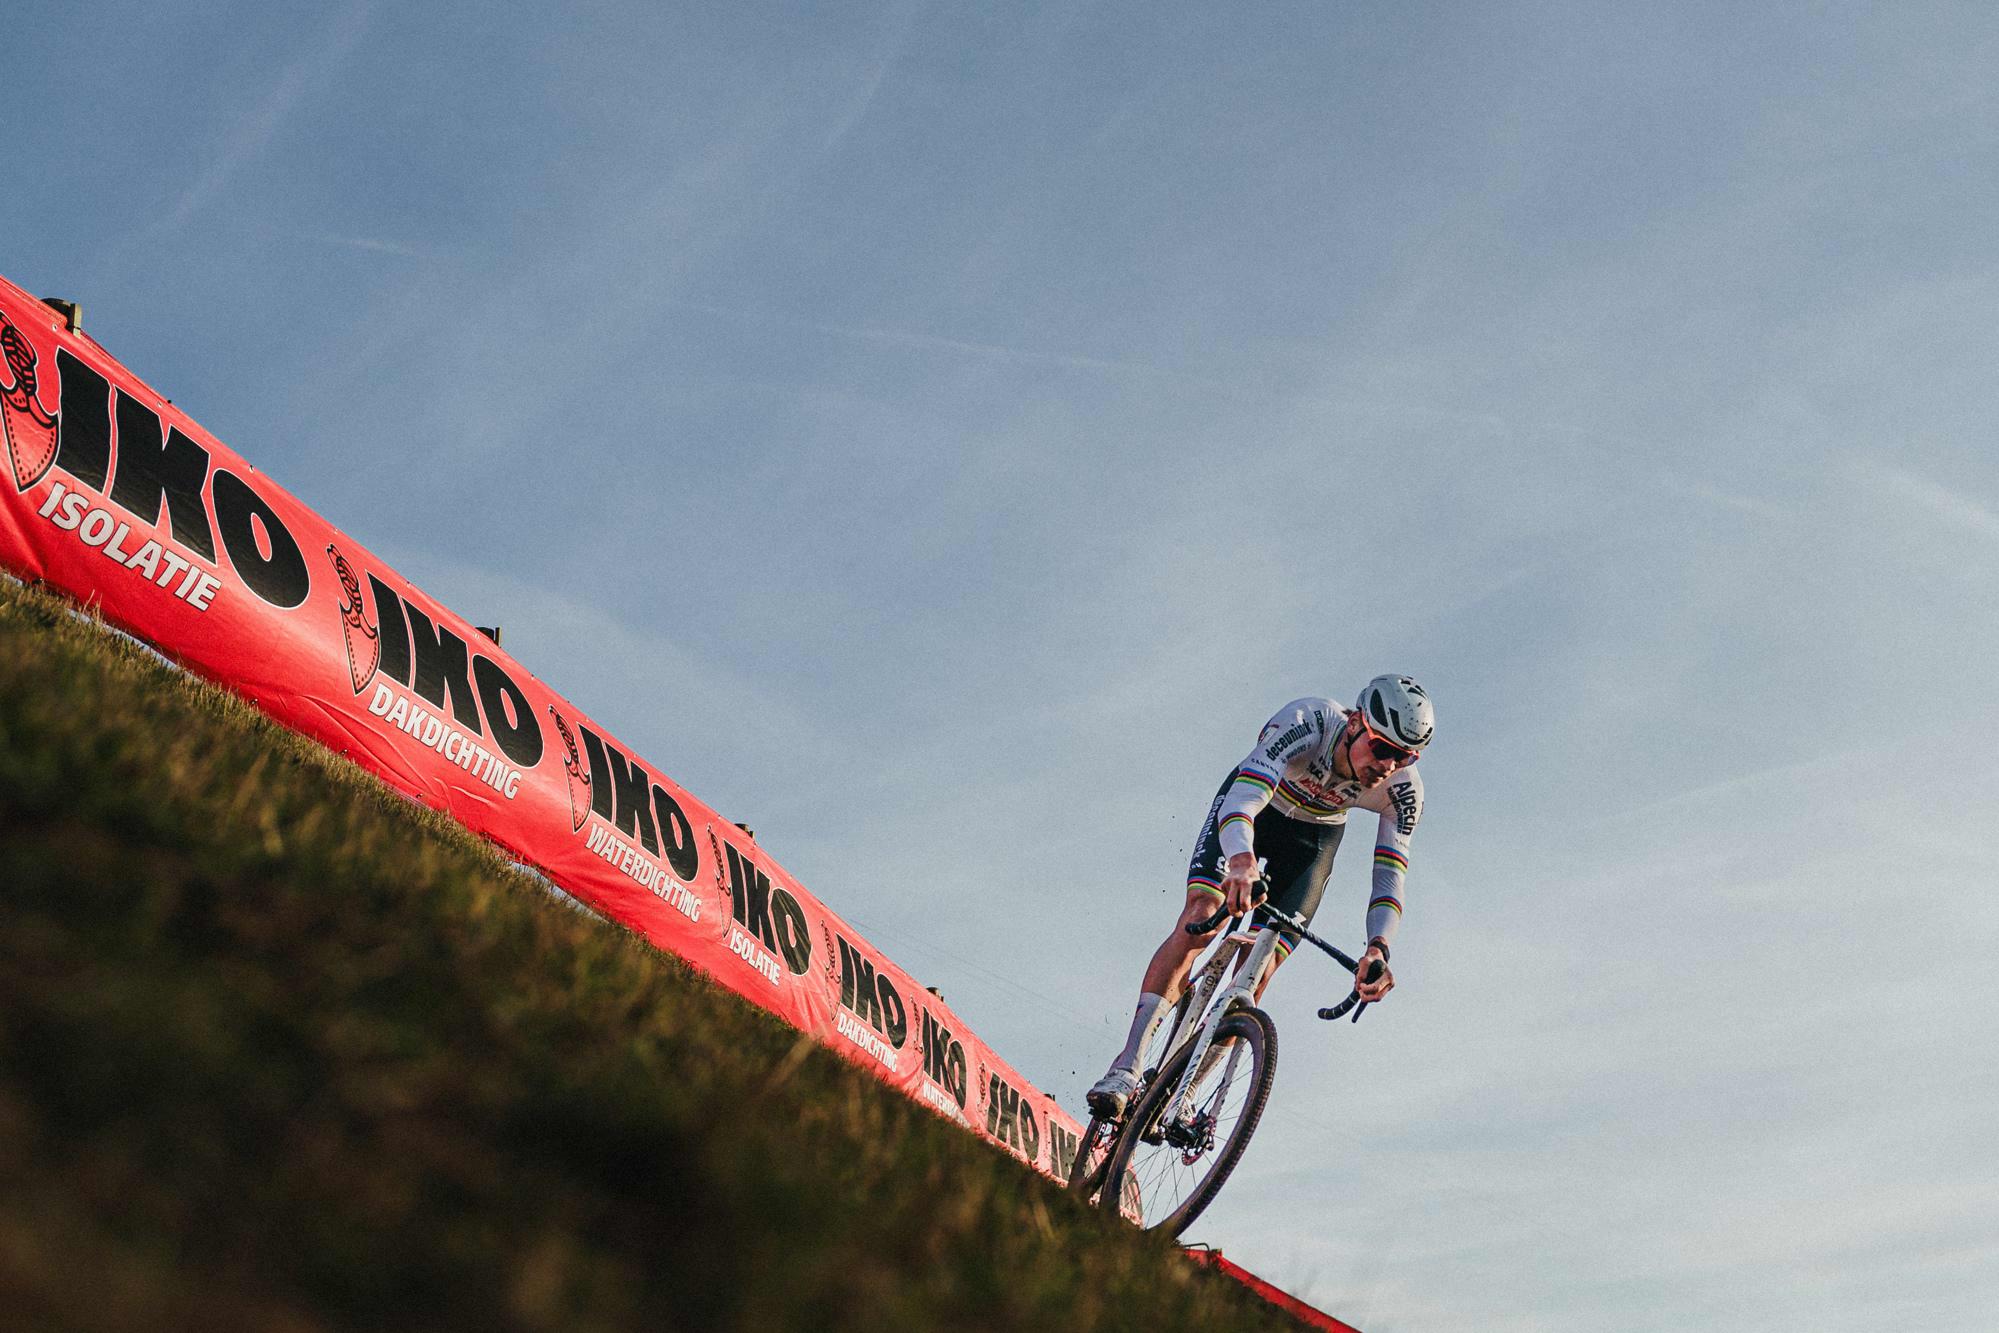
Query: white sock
(1151, 1008)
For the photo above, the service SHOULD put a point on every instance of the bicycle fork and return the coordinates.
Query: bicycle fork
(1240, 991)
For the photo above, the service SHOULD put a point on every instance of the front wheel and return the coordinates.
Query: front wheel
(1093, 1151)
(1167, 1172)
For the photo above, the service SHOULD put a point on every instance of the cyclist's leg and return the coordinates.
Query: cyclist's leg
(1166, 972)
(1298, 857)
(1165, 980)
(1301, 859)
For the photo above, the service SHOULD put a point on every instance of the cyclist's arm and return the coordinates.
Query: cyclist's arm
(1235, 818)
(1295, 730)
(1400, 804)
(1235, 829)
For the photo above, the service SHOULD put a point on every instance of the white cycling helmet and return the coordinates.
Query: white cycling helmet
(1398, 710)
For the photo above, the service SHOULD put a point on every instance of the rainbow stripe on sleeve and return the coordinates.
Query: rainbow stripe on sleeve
(1234, 818)
(1394, 860)
(1255, 779)
(1385, 901)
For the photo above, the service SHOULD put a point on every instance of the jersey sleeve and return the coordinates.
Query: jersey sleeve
(1400, 805)
(1293, 731)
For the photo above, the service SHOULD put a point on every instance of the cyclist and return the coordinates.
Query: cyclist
(1287, 802)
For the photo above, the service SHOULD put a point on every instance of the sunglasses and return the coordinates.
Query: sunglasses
(1387, 749)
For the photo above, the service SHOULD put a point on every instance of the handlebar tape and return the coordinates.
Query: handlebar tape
(1203, 927)
(1353, 1000)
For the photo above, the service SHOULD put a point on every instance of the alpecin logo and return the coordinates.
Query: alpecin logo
(1402, 795)
(30, 427)
(121, 467)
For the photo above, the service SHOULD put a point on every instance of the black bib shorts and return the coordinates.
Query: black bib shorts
(1298, 858)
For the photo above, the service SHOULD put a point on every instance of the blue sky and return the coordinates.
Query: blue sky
(940, 434)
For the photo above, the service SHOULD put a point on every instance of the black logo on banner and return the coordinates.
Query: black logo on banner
(624, 796)
(108, 442)
(1062, 1147)
(364, 643)
(768, 913)
(406, 646)
(1010, 1117)
(944, 1059)
(30, 427)
(572, 771)
(870, 995)
(641, 831)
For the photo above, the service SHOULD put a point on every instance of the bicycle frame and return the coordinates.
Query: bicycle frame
(1165, 1113)
(1214, 1006)
(1249, 973)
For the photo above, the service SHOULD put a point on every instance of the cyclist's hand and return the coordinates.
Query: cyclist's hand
(1239, 882)
(1383, 982)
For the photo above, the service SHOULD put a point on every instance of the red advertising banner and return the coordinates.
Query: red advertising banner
(114, 496)
(1309, 1315)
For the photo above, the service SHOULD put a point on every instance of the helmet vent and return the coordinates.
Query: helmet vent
(1400, 708)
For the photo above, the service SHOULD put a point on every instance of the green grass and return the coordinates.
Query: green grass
(281, 1050)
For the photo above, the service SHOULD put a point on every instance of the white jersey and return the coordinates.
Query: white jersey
(1291, 769)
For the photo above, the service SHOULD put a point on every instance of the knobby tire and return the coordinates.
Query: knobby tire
(1250, 1025)
(1082, 1179)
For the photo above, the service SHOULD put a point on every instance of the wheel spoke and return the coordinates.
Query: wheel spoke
(1174, 1176)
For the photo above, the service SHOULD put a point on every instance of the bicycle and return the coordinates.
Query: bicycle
(1184, 1130)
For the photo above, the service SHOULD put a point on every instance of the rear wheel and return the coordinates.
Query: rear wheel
(1168, 1172)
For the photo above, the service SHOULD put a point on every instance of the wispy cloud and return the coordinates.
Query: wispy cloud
(365, 243)
(1955, 508)
(253, 133)
(1741, 504)
(929, 341)
(871, 83)
(1707, 794)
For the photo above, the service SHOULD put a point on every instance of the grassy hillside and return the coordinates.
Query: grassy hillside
(279, 1050)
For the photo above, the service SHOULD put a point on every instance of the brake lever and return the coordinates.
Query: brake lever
(1208, 926)
(1373, 971)
(1353, 1001)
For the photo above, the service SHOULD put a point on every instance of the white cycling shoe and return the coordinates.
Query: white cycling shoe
(1112, 1093)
